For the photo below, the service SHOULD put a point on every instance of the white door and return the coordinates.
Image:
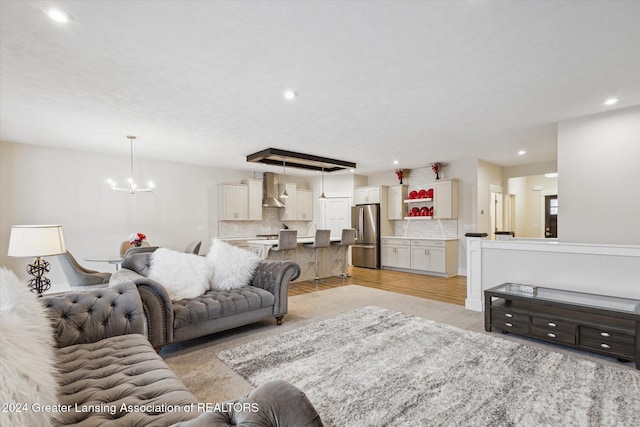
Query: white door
(337, 215)
(495, 214)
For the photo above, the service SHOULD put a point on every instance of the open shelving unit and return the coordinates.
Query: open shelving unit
(424, 200)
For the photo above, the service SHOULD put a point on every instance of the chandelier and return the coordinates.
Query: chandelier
(132, 187)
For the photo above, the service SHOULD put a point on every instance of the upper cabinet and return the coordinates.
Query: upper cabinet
(289, 212)
(445, 195)
(366, 195)
(396, 208)
(255, 199)
(234, 202)
(304, 204)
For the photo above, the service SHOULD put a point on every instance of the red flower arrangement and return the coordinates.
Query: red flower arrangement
(136, 239)
(400, 174)
(436, 167)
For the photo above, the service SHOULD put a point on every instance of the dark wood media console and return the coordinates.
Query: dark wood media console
(596, 323)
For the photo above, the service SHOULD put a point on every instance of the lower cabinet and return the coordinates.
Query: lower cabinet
(438, 257)
(396, 253)
(428, 256)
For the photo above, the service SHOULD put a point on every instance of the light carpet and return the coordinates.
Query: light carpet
(375, 366)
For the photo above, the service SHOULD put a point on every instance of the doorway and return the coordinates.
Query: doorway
(495, 211)
(337, 215)
(551, 216)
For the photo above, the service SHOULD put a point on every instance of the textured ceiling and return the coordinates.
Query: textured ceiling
(201, 81)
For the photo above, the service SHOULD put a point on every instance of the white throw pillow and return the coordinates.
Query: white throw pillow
(233, 267)
(27, 355)
(183, 275)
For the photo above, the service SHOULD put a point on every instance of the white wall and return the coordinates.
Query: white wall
(43, 185)
(599, 178)
(529, 169)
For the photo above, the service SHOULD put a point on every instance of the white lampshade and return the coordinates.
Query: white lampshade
(36, 240)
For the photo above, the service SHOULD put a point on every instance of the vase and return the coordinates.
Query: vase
(400, 180)
(437, 176)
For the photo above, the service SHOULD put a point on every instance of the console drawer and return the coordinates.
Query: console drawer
(553, 335)
(606, 340)
(500, 314)
(624, 349)
(508, 321)
(551, 324)
(606, 336)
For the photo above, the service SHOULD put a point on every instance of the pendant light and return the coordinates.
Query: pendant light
(284, 194)
(322, 196)
(132, 188)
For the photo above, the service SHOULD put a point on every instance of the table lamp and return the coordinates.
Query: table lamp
(36, 241)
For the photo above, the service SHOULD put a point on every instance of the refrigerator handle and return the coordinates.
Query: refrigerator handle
(361, 223)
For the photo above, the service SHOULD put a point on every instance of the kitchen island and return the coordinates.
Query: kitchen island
(329, 259)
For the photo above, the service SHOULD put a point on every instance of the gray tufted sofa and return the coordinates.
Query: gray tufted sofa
(109, 374)
(172, 321)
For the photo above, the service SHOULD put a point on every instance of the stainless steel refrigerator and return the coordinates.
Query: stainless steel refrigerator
(366, 251)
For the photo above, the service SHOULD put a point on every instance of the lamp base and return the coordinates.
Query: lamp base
(37, 269)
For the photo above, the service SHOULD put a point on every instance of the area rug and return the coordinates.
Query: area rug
(374, 367)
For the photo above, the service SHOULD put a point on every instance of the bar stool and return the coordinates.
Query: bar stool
(321, 240)
(348, 238)
(287, 239)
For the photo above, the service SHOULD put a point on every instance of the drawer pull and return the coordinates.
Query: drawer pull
(553, 325)
(604, 334)
(508, 324)
(508, 315)
(550, 335)
(605, 346)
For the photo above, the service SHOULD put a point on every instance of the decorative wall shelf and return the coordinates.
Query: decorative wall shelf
(418, 200)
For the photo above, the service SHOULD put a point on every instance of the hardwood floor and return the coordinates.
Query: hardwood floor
(452, 290)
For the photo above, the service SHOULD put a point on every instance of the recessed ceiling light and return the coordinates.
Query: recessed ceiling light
(289, 94)
(611, 101)
(395, 162)
(352, 170)
(521, 153)
(58, 15)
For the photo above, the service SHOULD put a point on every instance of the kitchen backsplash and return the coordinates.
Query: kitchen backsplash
(270, 224)
(426, 228)
(423, 179)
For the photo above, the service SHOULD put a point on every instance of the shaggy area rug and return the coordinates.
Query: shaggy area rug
(375, 366)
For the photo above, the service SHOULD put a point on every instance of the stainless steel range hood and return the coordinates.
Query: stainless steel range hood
(270, 192)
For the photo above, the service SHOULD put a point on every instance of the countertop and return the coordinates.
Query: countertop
(420, 238)
(274, 242)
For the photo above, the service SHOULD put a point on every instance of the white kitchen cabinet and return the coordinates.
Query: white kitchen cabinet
(304, 204)
(289, 212)
(254, 199)
(366, 195)
(234, 202)
(396, 253)
(428, 256)
(396, 207)
(445, 195)
(425, 256)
